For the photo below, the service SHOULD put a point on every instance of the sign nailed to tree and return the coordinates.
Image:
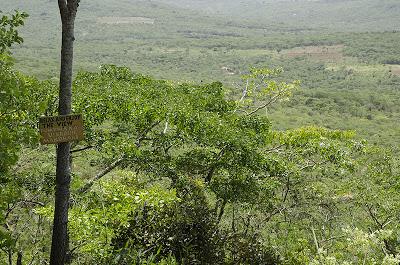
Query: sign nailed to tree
(61, 129)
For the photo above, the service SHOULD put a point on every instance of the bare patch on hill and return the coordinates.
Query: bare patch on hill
(332, 53)
(395, 69)
(228, 70)
(125, 20)
(367, 69)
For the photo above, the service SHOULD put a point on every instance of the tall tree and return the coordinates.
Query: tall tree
(68, 10)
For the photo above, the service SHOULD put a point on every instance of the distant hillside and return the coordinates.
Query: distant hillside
(173, 38)
(333, 15)
(286, 15)
(349, 68)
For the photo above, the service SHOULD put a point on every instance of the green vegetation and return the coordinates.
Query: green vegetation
(257, 168)
(348, 70)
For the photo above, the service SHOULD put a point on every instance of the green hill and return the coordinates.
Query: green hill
(332, 15)
(344, 52)
(216, 132)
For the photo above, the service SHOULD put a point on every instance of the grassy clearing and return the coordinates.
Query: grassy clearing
(395, 69)
(364, 69)
(332, 53)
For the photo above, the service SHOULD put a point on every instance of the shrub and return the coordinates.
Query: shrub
(186, 231)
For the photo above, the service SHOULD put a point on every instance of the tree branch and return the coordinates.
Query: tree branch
(275, 148)
(222, 210)
(372, 215)
(62, 5)
(116, 163)
(315, 238)
(272, 100)
(81, 149)
(214, 166)
(8, 113)
(244, 94)
(100, 175)
(145, 132)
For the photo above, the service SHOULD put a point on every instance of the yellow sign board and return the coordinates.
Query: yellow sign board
(61, 129)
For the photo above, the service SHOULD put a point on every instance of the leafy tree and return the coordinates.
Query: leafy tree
(12, 89)
(187, 231)
(13, 116)
(9, 33)
(23, 99)
(175, 131)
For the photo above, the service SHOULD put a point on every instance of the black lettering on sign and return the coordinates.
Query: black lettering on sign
(61, 129)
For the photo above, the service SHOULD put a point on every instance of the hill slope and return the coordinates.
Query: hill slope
(350, 77)
(332, 15)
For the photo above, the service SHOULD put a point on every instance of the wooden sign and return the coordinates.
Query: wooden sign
(61, 129)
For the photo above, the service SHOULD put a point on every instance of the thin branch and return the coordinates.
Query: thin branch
(145, 132)
(387, 222)
(165, 128)
(331, 239)
(7, 113)
(275, 148)
(314, 164)
(77, 247)
(272, 100)
(221, 211)
(81, 149)
(287, 190)
(10, 257)
(233, 218)
(282, 208)
(372, 215)
(100, 175)
(117, 162)
(244, 94)
(33, 202)
(9, 211)
(315, 238)
(214, 166)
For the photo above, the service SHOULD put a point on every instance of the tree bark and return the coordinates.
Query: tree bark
(19, 258)
(10, 257)
(68, 9)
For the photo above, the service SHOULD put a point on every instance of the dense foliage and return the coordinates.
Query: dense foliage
(188, 176)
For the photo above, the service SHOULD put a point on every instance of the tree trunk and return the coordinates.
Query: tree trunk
(59, 246)
(10, 256)
(19, 258)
